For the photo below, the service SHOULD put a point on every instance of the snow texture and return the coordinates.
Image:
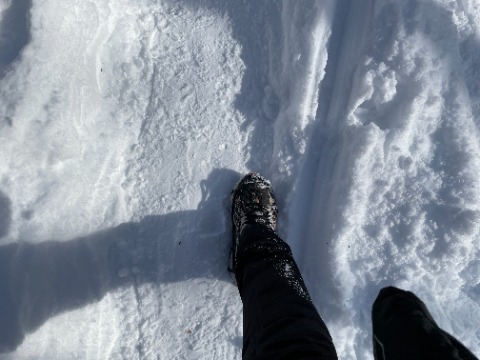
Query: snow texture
(125, 124)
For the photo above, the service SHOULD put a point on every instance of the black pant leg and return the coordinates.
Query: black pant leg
(403, 328)
(280, 321)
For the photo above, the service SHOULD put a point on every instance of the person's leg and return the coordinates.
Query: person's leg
(403, 328)
(280, 321)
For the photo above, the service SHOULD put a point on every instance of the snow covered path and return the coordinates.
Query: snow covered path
(124, 125)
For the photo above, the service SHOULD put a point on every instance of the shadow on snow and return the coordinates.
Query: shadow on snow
(14, 32)
(39, 281)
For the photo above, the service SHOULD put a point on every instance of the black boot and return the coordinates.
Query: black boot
(279, 319)
(252, 203)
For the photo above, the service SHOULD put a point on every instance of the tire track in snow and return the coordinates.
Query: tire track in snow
(306, 29)
(315, 208)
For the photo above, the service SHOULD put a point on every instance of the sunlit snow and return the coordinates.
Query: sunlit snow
(125, 124)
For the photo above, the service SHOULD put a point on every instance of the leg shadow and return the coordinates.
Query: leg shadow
(38, 281)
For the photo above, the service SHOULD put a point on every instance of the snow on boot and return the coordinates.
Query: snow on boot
(253, 202)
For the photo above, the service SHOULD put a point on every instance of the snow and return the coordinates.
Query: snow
(124, 126)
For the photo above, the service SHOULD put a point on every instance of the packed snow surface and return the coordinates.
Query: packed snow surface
(124, 125)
